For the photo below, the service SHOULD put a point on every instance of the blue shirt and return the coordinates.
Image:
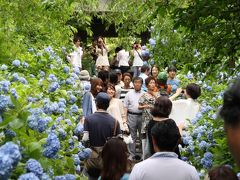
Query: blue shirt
(175, 83)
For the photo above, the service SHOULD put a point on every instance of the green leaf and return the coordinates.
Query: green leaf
(16, 123)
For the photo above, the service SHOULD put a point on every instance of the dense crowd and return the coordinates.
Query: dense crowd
(140, 107)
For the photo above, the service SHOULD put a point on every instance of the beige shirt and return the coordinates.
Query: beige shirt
(116, 110)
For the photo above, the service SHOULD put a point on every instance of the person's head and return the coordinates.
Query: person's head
(104, 76)
(162, 78)
(222, 173)
(154, 71)
(165, 136)
(102, 100)
(114, 156)
(84, 75)
(172, 72)
(96, 86)
(145, 69)
(117, 49)
(150, 83)
(119, 74)
(230, 112)
(127, 78)
(111, 90)
(113, 78)
(100, 40)
(193, 90)
(162, 107)
(77, 40)
(136, 45)
(137, 83)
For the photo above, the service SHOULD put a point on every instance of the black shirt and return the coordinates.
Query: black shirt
(100, 126)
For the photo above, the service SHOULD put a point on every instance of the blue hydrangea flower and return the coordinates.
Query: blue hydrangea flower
(61, 104)
(45, 177)
(62, 100)
(66, 69)
(15, 77)
(70, 81)
(53, 87)
(152, 42)
(9, 133)
(203, 145)
(28, 176)
(5, 102)
(74, 109)
(52, 146)
(52, 77)
(4, 67)
(65, 177)
(62, 133)
(76, 159)
(9, 157)
(14, 93)
(85, 153)
(35, 167)
(73, 99)
(42, 73)
(16, 63)
(68, 121)
(48, 49)
(79, 129)
(4, 86)
(25, 64)
(23, 80)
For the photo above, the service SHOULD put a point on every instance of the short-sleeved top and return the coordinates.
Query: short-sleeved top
(76, 57)
(175, 83)
(131, 101)
(124, 177)
(163, 165)
(124, 92)
(146, 99)
(100, 127)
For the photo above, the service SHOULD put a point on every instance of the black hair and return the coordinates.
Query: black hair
(113, 78)
(230, 110)
(162, 107)
(166, 135)
(76, 38)
(171, 68)
(193, 90)
(137, 79)
(117, 49)
(148, 79)
(103, 75)
(145, 68)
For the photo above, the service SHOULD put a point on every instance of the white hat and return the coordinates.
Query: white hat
(84, 75)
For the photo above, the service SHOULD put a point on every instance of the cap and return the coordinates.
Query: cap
(162, 76)
(84, 75)
(102, 97)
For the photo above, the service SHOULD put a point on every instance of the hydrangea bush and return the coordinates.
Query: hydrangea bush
(40, 100)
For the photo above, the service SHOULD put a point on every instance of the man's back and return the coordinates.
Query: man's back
(163, 166)
(100, 126)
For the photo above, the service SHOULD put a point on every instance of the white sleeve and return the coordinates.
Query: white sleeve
(125, 102)
(85, 136)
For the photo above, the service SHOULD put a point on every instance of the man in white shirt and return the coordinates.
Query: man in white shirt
(134, 115)
(164, 164)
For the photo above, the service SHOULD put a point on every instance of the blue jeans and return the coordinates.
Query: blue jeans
(136, 71)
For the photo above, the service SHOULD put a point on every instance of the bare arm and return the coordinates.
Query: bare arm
(178, 92)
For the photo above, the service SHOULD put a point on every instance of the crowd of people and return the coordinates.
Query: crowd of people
(146, 104)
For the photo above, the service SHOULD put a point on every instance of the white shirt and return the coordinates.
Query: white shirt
(131, 101)
(123, 58)
(163, 166)
(76, 57)
(137, 61)
(184, 109)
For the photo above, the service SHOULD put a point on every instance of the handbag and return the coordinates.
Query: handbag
(93, 164)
